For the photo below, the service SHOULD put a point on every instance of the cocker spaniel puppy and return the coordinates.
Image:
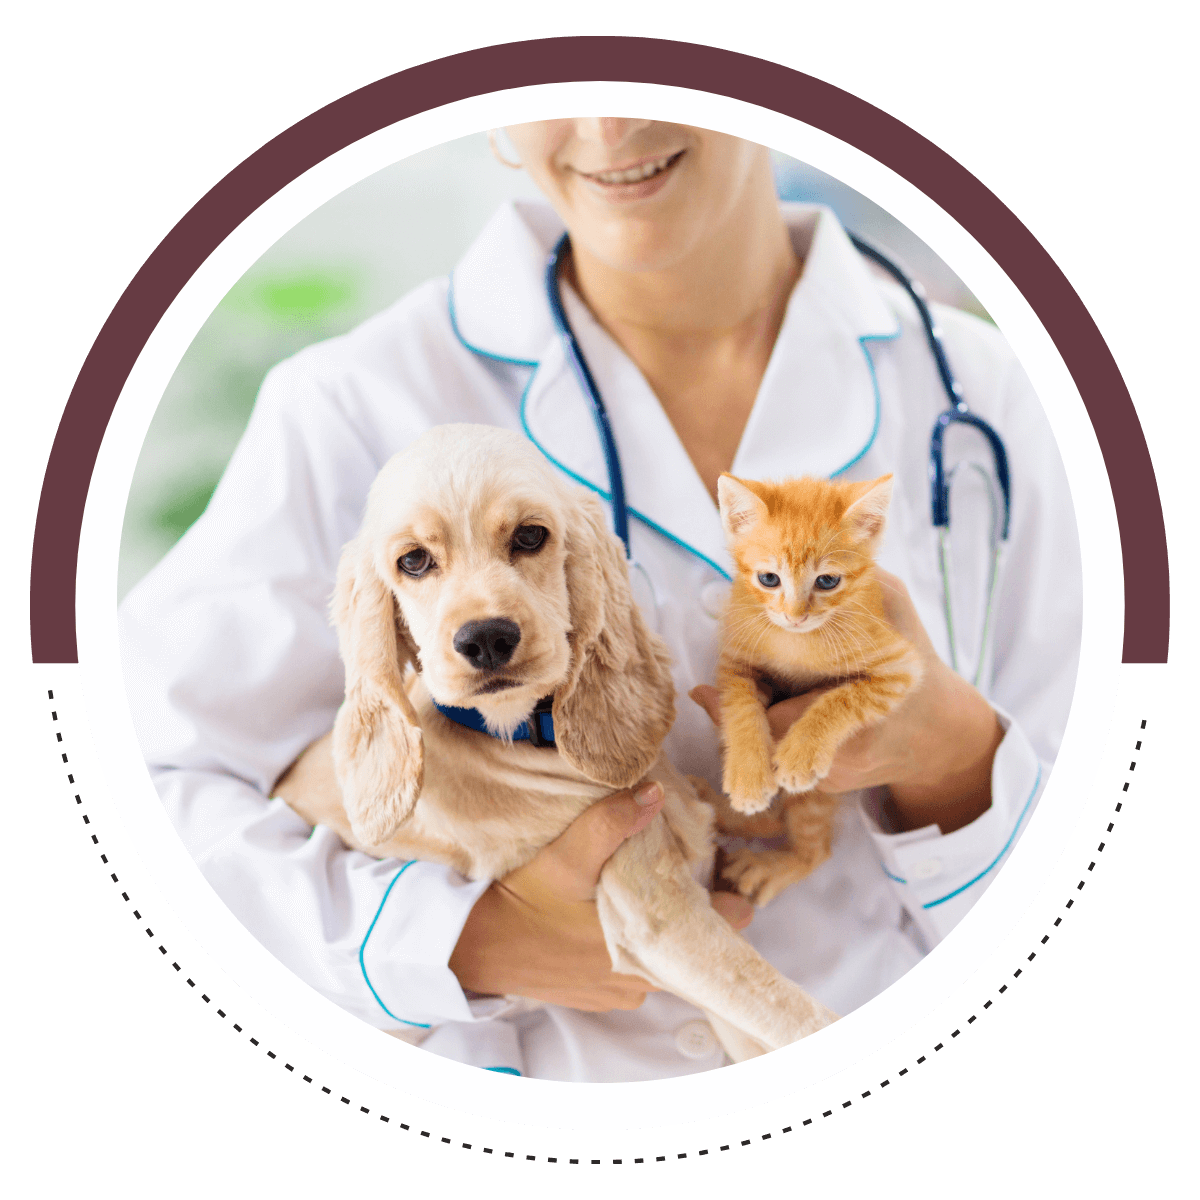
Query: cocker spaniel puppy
(500, 585)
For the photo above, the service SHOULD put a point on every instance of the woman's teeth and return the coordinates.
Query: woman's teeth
(633, 174)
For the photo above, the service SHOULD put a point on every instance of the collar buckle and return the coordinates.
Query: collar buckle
(541, 733)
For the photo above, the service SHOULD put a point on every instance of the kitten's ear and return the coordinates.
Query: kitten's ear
(866, 517)
(740, 508)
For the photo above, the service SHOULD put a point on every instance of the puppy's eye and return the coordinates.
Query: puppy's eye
(768, 579)
(415, 562)
(826, 583)
(529, 537)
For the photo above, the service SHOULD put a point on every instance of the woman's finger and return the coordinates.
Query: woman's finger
(709, 699)
(900, 611)
(570, 865)
(737, 910)
(783, 715)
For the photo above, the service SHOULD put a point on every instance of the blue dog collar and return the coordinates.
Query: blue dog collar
(538, 730)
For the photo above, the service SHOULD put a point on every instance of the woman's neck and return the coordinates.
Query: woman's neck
(725, 284)
(701, 331)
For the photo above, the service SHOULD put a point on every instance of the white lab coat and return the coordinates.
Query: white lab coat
(232, 667)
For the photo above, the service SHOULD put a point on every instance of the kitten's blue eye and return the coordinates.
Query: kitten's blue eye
(826, 583)
(768, 579)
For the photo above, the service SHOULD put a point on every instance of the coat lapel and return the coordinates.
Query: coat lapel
(818, 408)
(497, 295)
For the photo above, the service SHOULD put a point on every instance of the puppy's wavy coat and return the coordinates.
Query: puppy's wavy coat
(500, 584)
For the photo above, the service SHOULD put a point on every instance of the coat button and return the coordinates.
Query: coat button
(927, 868)
(712, 597)
(695, 1039)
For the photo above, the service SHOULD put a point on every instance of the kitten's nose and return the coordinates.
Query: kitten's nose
(488, 645)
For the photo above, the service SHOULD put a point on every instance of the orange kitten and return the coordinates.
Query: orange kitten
(806, 609)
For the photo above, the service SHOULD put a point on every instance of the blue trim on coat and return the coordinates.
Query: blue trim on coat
(362, 950)
(1003, 852)
(862, 345)
(970, 882)
(501, 358)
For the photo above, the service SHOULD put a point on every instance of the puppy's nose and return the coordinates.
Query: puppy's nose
(489, 644)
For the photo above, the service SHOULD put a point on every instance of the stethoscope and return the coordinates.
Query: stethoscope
(940, 480)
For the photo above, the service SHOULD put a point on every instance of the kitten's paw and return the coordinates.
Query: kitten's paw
(760, 875)
(749, 783)
(753, 803)
(796, 782)
(801, 764)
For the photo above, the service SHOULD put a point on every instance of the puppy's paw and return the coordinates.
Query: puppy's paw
(749, 781)
(760, 875)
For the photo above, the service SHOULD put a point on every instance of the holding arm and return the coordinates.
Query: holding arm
(537, 933)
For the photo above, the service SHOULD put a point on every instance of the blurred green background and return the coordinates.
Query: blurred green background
(350, 258)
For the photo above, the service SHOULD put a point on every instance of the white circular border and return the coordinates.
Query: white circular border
(1033, 881)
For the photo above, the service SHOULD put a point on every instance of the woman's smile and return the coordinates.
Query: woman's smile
(631, 181)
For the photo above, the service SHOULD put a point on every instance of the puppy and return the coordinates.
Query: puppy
(499, 584)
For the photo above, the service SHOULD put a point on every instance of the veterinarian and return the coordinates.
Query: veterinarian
(724, 332)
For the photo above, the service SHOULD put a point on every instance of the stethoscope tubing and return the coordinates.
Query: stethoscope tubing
(957, 413)
(616, 479)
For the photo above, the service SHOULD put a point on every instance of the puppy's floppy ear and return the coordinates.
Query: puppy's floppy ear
(618, 701)
(377, 745)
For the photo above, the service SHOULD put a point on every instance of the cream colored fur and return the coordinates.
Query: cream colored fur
(396, 778)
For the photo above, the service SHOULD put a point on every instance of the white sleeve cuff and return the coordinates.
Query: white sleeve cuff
(405, 950)
(939, 876)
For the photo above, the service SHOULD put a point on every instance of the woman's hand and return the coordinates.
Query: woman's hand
(536, 932)
(934, 751)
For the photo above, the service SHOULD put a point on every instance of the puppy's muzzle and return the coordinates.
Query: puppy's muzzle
(488, 645)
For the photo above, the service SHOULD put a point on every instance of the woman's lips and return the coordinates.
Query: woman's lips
(635, 181)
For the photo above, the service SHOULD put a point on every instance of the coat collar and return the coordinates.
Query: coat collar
(497, 292)
(817, 411)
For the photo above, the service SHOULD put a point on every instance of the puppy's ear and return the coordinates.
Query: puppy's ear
(618, 701)
(377, 745)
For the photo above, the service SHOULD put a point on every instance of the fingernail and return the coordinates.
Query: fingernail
(647, 794)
